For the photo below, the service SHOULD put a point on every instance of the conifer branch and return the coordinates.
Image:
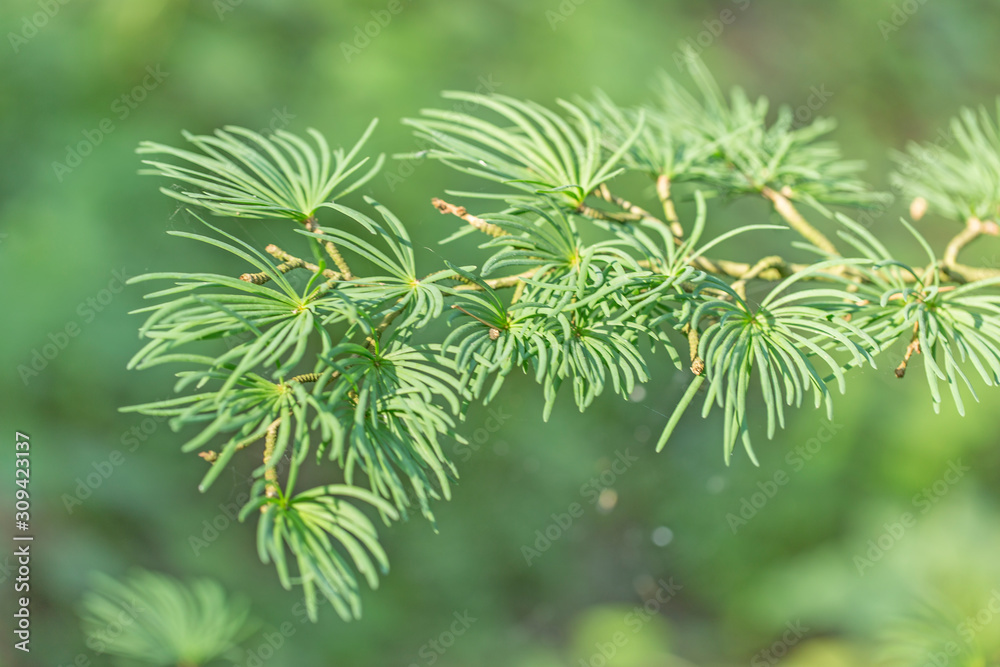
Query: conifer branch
(633, 212)
(584, 309)
(271, 473)
(974, 228)
(774, 263)
(499, 283)
(694, 339)
(912, 348)
(459, 211)
(669, 210)
(788, 212)
(290, 262)
(608, 216)
(312, 226)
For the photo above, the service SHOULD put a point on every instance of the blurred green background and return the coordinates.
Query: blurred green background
(781, 583)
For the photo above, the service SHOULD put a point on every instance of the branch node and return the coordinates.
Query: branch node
(460, 211)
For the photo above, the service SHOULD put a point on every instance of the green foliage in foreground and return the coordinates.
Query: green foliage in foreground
(577, 287)
(157, 620)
